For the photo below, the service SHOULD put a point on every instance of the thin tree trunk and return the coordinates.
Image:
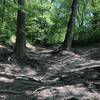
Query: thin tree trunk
(69, 35)
(3, 10)
(20, 34)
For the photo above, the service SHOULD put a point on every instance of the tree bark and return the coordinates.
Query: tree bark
(3, 10)
(20, 34)
(70, 27)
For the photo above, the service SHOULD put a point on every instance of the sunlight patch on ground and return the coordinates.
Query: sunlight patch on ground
(29, 71)
(28, 45)
(13, 38)
(67, 92)
(3, 79)
(2, 46)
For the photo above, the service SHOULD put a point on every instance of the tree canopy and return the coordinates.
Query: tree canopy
(46, 20)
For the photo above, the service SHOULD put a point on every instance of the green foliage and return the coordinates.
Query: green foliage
(7, 20)
(88, 22)
(46, 20)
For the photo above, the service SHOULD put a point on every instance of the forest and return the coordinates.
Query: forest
(49, 50)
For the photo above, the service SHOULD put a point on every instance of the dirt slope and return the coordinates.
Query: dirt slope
(42, 76)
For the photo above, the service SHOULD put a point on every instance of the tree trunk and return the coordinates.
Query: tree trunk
(3, 10)
(20, 34)
(69, 35)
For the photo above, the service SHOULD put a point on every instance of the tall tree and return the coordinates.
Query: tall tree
(3, 10)
(20, 34)
(70, 27)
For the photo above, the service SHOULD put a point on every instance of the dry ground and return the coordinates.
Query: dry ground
(43, 76)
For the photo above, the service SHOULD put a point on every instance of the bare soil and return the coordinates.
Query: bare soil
(42, 76)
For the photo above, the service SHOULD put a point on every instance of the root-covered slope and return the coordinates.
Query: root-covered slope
(42, 76)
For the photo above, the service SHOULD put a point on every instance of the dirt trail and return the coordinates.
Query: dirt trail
(66, 76)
